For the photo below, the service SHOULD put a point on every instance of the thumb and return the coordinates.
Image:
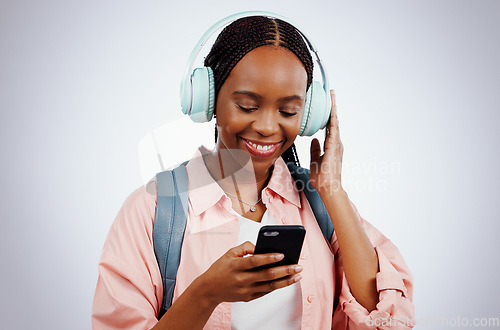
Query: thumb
(243, 249)
(315, 152)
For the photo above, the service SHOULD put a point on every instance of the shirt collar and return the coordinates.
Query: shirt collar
(205, 192)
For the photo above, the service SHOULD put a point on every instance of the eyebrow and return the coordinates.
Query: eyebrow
(258, 97)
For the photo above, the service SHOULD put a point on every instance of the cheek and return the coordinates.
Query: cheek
(228, 133)
(293, 127)
(228, 125)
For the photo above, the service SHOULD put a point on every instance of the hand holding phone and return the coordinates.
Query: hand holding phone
(280, 239)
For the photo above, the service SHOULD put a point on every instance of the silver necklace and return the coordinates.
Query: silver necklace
(252, 206)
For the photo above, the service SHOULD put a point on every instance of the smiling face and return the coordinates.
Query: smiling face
(259, 107)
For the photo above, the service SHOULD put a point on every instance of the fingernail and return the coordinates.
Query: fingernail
(297, 268)
(279, 256)
(297, 278)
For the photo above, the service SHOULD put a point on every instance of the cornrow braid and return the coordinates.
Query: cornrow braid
(290, 155)
(246, 34)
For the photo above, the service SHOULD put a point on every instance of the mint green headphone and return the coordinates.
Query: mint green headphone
(198, 86)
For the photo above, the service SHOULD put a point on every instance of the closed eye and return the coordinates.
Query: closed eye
(247, 109)
(289, 114)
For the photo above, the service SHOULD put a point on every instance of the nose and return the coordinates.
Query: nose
(266, 122)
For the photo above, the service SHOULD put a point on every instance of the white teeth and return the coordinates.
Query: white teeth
(259, 147)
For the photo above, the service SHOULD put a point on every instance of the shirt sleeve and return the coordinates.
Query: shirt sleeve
(395, 309)
(129, 286)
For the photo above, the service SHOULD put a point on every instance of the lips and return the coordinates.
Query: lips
(261, 149)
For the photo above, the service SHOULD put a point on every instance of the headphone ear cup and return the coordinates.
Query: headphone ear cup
(203, 95)
(316, 110)
(306, 112)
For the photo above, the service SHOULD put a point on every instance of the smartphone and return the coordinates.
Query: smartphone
(280, 239)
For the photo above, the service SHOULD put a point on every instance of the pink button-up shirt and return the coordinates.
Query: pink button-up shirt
(129, 288)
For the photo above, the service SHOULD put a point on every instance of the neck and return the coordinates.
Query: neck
(236, 176)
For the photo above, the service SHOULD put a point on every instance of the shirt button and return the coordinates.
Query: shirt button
(283, 220)
(310, 298)
(303, 258)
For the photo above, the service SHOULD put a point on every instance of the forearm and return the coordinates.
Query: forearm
(359, 257)
(190, 311)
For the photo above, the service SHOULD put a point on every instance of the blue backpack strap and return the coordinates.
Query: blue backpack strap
(169, 227)
(301, 176)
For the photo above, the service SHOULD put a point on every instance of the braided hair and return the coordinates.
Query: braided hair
(246, 34)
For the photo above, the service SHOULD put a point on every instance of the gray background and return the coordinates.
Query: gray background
(82, 82)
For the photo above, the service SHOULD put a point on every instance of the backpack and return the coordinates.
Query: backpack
(171, 218)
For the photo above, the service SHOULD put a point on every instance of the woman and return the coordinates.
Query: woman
(262, 69)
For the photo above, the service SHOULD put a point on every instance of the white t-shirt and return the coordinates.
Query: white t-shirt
(279, 309)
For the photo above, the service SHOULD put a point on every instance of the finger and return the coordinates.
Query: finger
(258, 260)
(334, 143)
(333, 137)
(333, 113)
(334, 121)
(274, 273)
(315, 152)
(266, 287)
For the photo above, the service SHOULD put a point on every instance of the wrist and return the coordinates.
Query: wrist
(205, 297)
(333, 190)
